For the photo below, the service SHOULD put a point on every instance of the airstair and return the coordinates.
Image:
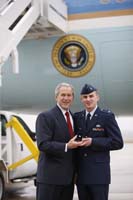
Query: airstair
(18, 150)
(16, 18)
(19, 18)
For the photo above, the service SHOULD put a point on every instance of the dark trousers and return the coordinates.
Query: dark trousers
(93, 192)
(54, 192)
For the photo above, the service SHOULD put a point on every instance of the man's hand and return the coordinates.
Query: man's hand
(87, 141)
(72, 144)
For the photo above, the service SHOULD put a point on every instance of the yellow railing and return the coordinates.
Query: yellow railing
(15, 124)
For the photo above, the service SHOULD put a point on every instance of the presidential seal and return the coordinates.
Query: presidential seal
(73, 55)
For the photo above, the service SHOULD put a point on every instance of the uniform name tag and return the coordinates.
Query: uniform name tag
(98, 129)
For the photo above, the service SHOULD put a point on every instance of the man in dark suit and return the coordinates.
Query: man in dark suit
(55, 171)
(101, 134)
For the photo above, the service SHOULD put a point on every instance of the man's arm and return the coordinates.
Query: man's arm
(113, 139)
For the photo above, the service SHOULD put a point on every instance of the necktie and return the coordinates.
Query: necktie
(88, 120)
(69, 124)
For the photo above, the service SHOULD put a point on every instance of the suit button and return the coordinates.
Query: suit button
(85, 154)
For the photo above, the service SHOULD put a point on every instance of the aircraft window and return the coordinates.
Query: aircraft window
(3, 124)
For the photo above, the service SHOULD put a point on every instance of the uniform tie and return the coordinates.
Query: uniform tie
(69, 124)
(88, 120)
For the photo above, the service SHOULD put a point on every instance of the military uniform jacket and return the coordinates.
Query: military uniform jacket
(55, 166)
(93, 162)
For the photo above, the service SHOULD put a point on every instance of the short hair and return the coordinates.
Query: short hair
(63, 85)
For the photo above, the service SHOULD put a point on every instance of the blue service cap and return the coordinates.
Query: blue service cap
(87, 89)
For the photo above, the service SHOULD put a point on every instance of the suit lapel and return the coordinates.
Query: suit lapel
(61, 120)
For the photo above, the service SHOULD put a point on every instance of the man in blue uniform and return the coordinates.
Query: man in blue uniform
(101, 134)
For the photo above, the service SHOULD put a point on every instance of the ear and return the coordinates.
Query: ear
(98, 97)
(81, 98)
(56, 98)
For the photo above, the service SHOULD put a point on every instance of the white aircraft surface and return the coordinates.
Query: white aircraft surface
(30, 88)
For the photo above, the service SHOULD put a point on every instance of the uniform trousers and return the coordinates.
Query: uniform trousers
(93, 192)
(54, 192)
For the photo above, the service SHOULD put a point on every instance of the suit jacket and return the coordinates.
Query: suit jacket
(55, 166)
(93, 162)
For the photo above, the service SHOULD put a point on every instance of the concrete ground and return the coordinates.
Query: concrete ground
(121, 187)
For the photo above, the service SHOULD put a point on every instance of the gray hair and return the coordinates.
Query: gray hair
(57, 89)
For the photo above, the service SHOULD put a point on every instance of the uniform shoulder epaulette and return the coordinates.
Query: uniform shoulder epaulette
(107, 111)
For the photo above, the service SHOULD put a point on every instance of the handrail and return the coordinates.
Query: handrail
(16, 125)
(15, 21)
(4, 4)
